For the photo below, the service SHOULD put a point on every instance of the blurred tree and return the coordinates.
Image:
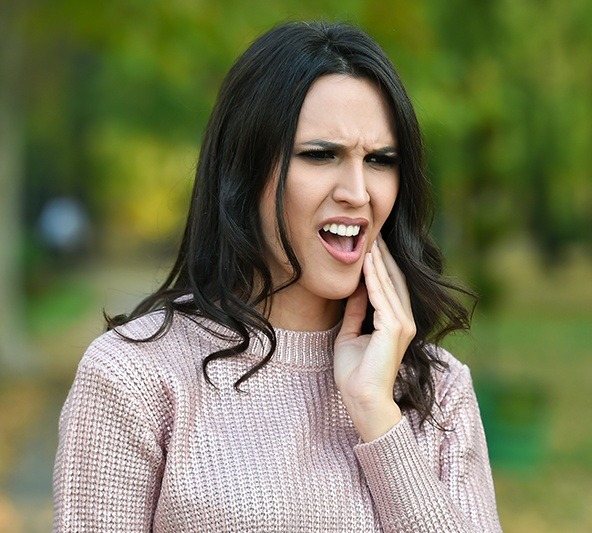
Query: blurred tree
(550, 72)
(502, 88)
(120, 81)
(15, 352)
(117, 95)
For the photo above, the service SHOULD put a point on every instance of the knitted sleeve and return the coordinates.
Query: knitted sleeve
(109, 462)
(410, 496)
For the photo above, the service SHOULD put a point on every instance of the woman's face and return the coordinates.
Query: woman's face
(341, 186)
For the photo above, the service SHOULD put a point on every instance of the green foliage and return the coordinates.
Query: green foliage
(501, 88)
(64, 303)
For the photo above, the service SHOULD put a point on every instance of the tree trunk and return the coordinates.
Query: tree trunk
(16, 353)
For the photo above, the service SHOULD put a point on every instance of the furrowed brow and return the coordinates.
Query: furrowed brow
(334, 146)
(386, 150)
(325, 145)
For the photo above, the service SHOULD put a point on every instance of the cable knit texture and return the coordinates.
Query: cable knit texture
(147, 445)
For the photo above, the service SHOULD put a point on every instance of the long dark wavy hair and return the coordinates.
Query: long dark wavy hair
(221, 260)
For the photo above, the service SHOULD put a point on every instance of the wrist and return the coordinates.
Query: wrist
(373, 421)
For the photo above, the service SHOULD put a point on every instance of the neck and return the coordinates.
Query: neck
(299, 314)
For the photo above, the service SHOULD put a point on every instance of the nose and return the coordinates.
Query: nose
(350, 187)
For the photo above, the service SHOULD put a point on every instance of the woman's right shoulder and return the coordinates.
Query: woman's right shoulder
(141, 348)
(150, 376)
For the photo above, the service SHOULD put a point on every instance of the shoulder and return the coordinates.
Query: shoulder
(128, 346)
(145, 342)
(452, 378)
(149, 369)
(150, 377)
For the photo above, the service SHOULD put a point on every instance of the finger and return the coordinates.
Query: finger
(403, 317)
(386, 343)
(354, 314)
(387, 284)
(381, 295)
(396, 275)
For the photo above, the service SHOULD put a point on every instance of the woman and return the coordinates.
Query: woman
(282, 378)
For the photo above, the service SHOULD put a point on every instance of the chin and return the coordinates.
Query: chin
(338, 289)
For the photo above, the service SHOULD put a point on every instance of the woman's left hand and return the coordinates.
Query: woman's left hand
(366, 366)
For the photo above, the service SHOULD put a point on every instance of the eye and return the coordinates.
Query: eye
(381, 160)
(318, 156)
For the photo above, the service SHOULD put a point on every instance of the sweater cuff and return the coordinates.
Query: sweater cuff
(404, 488)
(379, 456)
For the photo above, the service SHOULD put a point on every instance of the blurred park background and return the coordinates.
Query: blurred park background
(102, 105)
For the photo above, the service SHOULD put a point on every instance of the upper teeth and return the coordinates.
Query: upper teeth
(342, 230)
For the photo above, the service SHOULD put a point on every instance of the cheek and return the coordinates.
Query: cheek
(385, 202)
(303, 197)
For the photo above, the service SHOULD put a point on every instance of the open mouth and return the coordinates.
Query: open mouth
(341, 237)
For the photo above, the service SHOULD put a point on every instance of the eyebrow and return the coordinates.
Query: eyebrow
(330, 145)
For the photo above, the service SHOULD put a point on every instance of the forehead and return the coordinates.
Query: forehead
(345, 108)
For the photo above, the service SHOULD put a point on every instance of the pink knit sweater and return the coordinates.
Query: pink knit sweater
(147, 445)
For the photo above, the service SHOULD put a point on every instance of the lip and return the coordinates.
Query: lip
(348, 258)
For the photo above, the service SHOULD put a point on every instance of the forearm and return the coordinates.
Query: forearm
(407, 493)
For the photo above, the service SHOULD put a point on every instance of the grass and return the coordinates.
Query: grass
(532, 365)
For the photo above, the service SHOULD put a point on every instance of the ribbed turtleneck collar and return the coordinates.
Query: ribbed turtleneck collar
(304, 349)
